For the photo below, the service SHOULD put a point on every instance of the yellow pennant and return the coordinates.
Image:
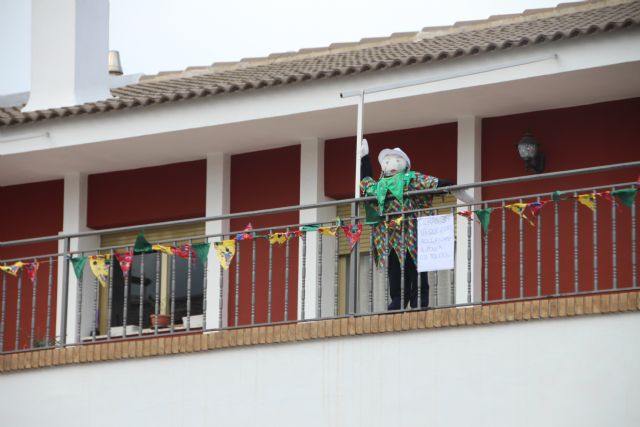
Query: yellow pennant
(162, 248)
(395, 222)
(588, 200)
(328, 231)
(278, 238)
(225, 251)
(12, 269)
(100, 268)
(518, 209)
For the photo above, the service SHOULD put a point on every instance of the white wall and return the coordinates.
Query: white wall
(563, 372)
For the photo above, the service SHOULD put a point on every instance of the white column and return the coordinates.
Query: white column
(217, 203)
(75, 221)
(469, 163)
(312, 191)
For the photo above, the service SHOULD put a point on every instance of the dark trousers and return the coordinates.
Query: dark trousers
(410, 283)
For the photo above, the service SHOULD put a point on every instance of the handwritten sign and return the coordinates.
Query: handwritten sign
(435, 243)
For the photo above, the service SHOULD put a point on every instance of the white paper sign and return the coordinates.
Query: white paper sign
(435, 243)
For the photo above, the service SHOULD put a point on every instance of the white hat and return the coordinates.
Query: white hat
(396, 152)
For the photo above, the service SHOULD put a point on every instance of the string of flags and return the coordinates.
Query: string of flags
(225, 250)
(626, 196)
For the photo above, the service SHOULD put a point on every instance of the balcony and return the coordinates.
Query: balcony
(513, 255)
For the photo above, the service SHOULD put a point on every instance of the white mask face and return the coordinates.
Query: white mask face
(392, 165)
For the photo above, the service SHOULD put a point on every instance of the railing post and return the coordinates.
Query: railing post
(65, 292)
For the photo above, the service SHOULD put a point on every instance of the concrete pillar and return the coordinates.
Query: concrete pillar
(469, 170)
(75, 221)
(217, 203)
(312, 191)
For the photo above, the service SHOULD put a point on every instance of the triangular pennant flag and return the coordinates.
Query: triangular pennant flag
(141, 245)
(125, 259)
(183, 252)
(607, 196)
(32, 270)
(78, 265)
(12, 269)
(164, 249)
(518, 209)
(353, 233)
(466, 214)
(536, 207)
(307, 228)
(556, 196)
(395, 222)
(98, 264)
(278, 238)
(588, 200)
(225, 251)
(627, 196)
(247, 234)
(484, 216)
(328, 231)
(202, 251)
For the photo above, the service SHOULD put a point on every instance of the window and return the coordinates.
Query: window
(151, 273)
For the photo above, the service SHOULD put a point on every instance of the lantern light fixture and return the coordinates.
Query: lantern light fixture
(528, 149)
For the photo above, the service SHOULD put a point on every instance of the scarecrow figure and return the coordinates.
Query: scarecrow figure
(396, 237)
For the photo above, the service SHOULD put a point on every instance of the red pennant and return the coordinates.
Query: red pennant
(466, 214)
(183, 252)
(247, 235)
(32, 270)
(125, 259)
(536, 207)
(353, 232)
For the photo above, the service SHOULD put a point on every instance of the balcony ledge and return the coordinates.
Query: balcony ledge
(314, 330)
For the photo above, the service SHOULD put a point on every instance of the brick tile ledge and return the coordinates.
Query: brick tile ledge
(312, 330)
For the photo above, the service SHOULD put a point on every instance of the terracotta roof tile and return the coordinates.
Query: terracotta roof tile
(401, 49)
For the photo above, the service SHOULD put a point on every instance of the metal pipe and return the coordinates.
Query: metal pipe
(65, 291)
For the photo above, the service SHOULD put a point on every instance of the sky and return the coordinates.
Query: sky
(163, 35)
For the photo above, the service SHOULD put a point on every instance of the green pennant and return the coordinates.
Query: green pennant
(78, 265)
(627, 196)
(202, 251)
(141, 245)
(307, 228)
(371, 215)
(556, 196)
(484, 216)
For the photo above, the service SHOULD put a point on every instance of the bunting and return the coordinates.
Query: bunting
(248, 233)
(225, 251)
(536, 207)
(277, 238)
(183, 252)
(328, 231)
(99, 267)
(12, 269)
(353, 233)
(466, 214)
(484, 216)
(141, 245)
(202, 251)
(78, 265)
(588, 200)
(32, 271)
(125, 259)
(518, 209)
(163, 249)
(627, 196)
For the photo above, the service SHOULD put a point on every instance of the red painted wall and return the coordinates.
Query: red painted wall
(262, 180)
(30, 210)
(570, 138)
(432, 150)
(154, 194)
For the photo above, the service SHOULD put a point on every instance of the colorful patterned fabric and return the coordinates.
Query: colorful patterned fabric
(393, 231)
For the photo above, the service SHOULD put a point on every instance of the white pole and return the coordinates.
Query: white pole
(355, 258)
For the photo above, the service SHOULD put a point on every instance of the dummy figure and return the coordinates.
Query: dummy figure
(397, 238)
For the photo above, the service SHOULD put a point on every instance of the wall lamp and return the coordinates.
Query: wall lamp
(529, 153)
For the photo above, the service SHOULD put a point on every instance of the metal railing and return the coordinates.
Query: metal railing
(297, 272)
